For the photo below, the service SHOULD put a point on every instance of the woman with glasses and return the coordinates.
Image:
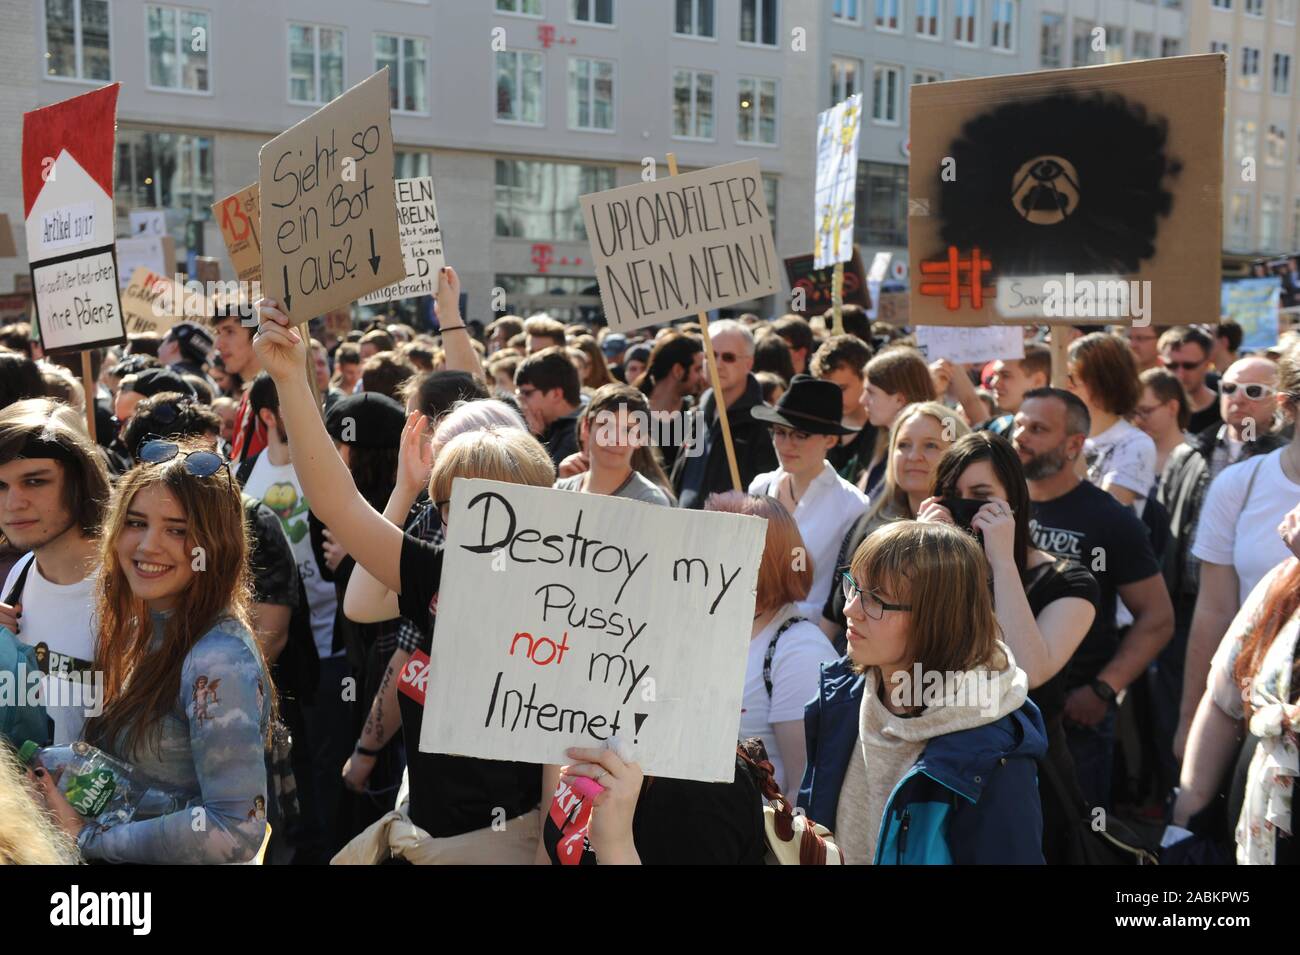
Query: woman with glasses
(1044, 606)
(922, 744)
(805, 427)
(1162, 412)
(188, 699)
(1121, 459)
(919, 436)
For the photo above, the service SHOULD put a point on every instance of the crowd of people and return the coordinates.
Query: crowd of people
(243, 558)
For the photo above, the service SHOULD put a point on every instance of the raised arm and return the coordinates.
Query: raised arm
(457, 346)
(374, 543)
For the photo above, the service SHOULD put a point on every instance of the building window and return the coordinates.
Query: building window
(527, 8)
(539, 200)
(887, 16)
(1249, 79)
(1003, 36)
(1275, 146)
(519, 87)
(592, 11)
(407, 60)
(1282, 74)
(769, 196)
(1295, 224)
(695, 18)
(76, 39)
(926, 76)
(315, 63)
(1114, 44)
(692, 104)
(1243, 141)
(1171, 4)
(1170, 46)
(164, 171)
(846, 78)
(846, 11)
(174, 62)
(756, 118)
(1254, 8)
(1082, 52)
(1219, 46)
(1270, 223)
(1284, 10)
(929, 17)
(591, 93)
(966, 15)
(1051, 37)
(411, 165)
(1221, 4)
(885, 94)
(758, 22)
(1143, 45)
(881, 200)
(1239, 221)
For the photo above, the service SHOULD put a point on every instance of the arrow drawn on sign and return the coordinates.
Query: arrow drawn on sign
(374, 259)
(288, 299)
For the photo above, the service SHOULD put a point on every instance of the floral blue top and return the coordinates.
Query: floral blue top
(211, 748)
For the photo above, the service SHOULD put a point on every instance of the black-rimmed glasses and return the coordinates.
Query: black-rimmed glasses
(872, 605)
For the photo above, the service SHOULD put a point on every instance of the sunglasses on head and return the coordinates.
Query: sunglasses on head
(157, 450)
(1253, 390)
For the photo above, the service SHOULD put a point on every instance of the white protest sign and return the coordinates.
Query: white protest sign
(417, 223)
(67, 167)
(565, 618)
(148, 252)
(148, 222)
(683, 245)
(971, 345)
(837, 178)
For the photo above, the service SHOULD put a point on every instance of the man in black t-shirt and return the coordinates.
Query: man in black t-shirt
(1078, 521)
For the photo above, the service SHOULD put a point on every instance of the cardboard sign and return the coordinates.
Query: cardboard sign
(148, 222)
(837, 178)
(894, 309)
(1083, 196)
(1253, 304)
(239, 217)
(329, 219)
(564, 618)
(679, 246)
(816, 284)
(149, 302)
(155, 253)
(7, 248)
(964, 346)
(68, 205)
(417, 219)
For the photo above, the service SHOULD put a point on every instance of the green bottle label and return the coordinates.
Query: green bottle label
(90, 792)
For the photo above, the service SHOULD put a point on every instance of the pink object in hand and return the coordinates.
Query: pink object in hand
(586, 787)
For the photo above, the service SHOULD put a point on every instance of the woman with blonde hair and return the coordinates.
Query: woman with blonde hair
(188, 699)
(918, 438)
(922, 742)
(28, 836)
(895, 378)
(785, 650)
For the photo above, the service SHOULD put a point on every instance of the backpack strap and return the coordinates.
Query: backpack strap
(771, 652)
(16, 592)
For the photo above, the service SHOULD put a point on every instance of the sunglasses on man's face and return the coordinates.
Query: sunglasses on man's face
(1184, 365)
(1253, 391)
(730, 357)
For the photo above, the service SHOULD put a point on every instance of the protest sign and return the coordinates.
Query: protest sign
(816, 285)
(238, 215)
(969, 345)
(682, 245)
(14, 307)
(1022, 210)
(150, 302)
(894, 308)
(155, 253)
(1253, 304)
(417, 218)
(836, 184)
(148, 222)
(328, 215)
(7, 247)
(68, 204)
(603, 616)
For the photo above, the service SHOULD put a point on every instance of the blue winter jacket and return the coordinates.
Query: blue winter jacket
(970, 798)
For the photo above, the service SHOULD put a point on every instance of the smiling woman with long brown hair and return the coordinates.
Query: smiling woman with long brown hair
(187, 694)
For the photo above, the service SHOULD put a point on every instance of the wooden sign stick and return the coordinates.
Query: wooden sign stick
(1060, 355)
(712, 362)
(837, 299)
(88, 383)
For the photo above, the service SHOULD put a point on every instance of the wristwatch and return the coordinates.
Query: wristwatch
(1104, 690)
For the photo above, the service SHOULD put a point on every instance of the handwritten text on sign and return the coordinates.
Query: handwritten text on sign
(79, 306)
(329, 221)
(417, 218)
(239, 217)
(682, 245)
(566, 618)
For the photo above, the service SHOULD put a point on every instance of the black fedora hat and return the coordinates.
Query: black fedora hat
(809, 404)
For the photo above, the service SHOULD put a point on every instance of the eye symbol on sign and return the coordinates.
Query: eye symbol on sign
(1045, 190)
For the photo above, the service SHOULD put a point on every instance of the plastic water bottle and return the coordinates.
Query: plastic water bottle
(99, 786)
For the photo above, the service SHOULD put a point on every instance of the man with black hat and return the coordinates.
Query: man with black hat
(805, 426)
(187, 349)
